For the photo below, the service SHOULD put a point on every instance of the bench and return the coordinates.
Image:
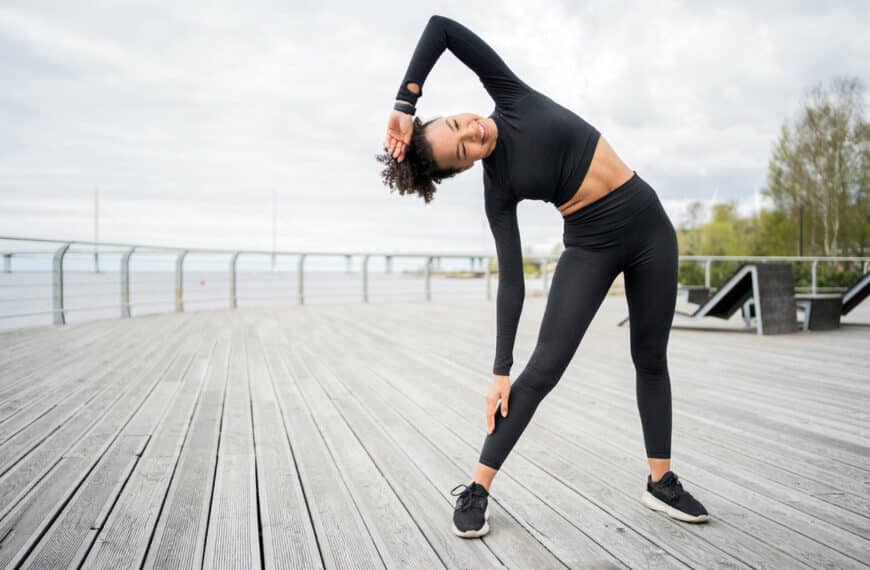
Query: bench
(771, 283)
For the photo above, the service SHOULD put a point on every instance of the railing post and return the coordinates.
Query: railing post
(429, 278)
(179, 281)
(388, 261)
(546, 274)
(488, 261)
(58, 316)
(125, 283)
(300, 285)
(234, 302)
(707, 265)
(347, 263)
(815, 267)
(365, 273)
(7, 263)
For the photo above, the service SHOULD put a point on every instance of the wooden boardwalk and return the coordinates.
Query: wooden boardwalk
(331, 435)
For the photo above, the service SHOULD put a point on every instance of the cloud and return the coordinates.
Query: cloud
(187, 116)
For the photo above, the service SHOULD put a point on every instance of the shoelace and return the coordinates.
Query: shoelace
(672, 490)
(464, 501)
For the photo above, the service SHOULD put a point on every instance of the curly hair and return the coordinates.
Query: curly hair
(417, 173)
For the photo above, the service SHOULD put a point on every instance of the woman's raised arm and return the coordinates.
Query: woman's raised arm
(442, 33)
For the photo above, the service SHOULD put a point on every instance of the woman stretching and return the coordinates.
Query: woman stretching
(531, 147)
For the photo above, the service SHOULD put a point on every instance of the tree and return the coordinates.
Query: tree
(727, 233)
(818, 171)
(772, 233)
(688, 231)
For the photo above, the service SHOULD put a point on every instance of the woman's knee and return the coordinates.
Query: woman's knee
(543, 371)
(650, 363)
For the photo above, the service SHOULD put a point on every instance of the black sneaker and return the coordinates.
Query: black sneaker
(668, 496)
(471, 513)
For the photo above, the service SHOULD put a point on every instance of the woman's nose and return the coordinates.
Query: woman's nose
(472, 132)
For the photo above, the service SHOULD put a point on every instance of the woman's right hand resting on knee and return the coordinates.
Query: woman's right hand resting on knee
(499, 390)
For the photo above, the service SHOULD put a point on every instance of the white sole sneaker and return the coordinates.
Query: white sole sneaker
(651, 502)
(474, 533)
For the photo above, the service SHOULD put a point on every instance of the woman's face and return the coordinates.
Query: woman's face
(458, 141)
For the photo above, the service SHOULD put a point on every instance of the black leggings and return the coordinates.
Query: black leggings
(627, 230)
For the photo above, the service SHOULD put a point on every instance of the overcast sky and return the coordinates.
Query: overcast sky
(187, 115)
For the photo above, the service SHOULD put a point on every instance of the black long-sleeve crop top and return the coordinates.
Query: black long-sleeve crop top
(543, 152)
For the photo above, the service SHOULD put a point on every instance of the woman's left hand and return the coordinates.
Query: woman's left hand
(400, 126)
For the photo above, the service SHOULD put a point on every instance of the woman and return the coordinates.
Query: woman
(533, 148)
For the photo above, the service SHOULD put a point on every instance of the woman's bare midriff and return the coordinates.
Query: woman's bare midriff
(606, 172)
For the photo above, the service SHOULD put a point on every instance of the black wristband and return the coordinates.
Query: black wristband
(405, 108)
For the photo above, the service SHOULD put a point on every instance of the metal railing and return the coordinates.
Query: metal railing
(59, 310)
(708, 260)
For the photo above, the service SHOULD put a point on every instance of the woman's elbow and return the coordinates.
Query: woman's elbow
(513, 286)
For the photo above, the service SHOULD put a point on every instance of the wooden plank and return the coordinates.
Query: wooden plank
(705, 394)
(819, 465)
(794, 347)
(599, 343)
(363, 415)
(288, 536)
(595, 362)
(823, 472)
(342, 535)
(810, 500)
(720, 445)
(14, 338)
(125, 536)
(754, 482)
(74, 532)
(730, 348)
(40, 402)
(399, 541)
(233, 538)
(743, 510)
(179, 540)
(559, 515)
(395, 440)
(39, 333)
(31, 366)
(27, 462)
(30, 519)
(601, 363)
(56, 374)
(760, 552)
(14, 352)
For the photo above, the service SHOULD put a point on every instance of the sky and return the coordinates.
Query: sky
(187, 116)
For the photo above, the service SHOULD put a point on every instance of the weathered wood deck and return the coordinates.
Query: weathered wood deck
(330, 435)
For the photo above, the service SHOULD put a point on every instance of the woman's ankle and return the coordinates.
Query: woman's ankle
(483, 475)
(658, 466)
